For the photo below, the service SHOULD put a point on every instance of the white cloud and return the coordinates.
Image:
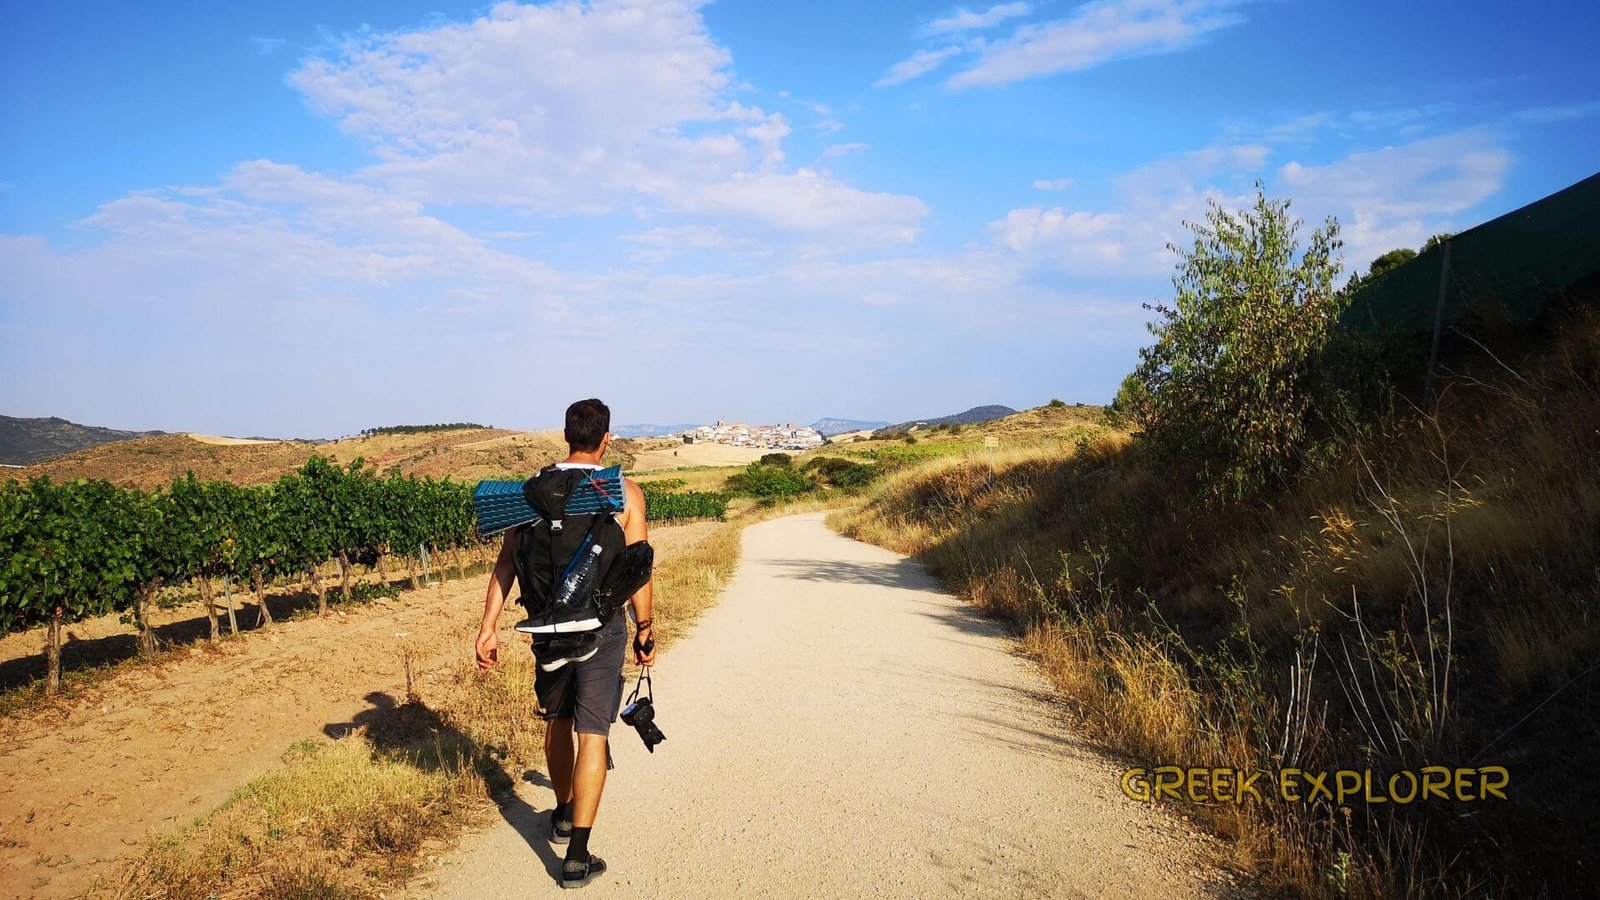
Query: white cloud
(266, 46)
(341, 291)
(1564, 113)
(1094, 235)
(1153, 201)
(826, 122)
(811, 201)
(1053, 184)
(657, 245)
(1361, 124)
(1394, 197)
(578, 107)
(916, 65)
(834, 151)
(511, 128)
(963, 19)
(1398, 196)
(1094, 33)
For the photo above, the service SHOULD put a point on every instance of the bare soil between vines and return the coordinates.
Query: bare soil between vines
(146, 748)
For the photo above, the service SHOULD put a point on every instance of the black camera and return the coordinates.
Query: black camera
(641, 714)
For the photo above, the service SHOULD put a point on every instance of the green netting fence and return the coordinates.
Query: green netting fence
(1508, 267)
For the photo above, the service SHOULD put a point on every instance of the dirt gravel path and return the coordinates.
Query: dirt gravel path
(837, 726)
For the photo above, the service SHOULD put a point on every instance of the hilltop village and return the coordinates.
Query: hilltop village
(771, 437)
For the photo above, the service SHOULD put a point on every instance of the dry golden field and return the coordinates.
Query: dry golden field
(464, 454)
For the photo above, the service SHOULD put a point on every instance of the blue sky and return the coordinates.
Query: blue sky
(306, 219)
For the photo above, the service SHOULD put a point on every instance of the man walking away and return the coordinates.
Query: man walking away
(579, 675)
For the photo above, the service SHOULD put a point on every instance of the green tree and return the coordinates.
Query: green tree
(768, 482)
(1391, 260)
(1437, 240)
(1132, 396)
(840, 473)
(1228, 379)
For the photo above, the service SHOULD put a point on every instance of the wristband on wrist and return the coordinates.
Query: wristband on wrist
(643, 626)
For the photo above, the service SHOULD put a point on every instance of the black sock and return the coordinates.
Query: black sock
(578, 847)
(564, 812)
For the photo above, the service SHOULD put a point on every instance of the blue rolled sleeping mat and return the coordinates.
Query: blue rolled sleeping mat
(499, 505)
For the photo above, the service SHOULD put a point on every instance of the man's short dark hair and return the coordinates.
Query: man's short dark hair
(587, 424)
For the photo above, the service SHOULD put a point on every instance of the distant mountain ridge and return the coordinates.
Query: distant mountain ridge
(24, 442)
(971, 417)
(644, 431)
(829, 427)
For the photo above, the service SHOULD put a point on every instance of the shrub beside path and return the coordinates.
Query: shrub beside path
(840, 726)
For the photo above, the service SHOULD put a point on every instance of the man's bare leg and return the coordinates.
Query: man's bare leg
(589, 779)
(558, 757)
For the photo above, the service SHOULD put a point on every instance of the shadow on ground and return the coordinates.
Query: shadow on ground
(903, 573)
(414, 733)
(79, 654)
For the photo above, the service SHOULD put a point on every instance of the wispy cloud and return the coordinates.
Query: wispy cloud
(266, 46)
(1360, 125)
(964, 20)
(1053, 184)
(1386, 198)
(916, 65)
(1564, 113)
(1095, 33)
(1397, 196)
(827, 122)
(834, 151)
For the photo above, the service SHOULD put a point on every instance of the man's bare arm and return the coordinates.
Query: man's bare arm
(635, 529)
(488, 643)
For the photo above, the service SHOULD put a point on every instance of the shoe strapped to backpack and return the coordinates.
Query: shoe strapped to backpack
(555, 651)
(564, 557)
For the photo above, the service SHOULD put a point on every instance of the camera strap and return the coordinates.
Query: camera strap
(644, 682)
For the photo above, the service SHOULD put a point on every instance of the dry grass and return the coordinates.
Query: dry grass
(1465, 542)
(1046, 428)
(464, 454)
(350, 818)
(336, 821)
(694, 478)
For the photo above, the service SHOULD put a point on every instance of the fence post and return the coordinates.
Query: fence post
(1438, 319)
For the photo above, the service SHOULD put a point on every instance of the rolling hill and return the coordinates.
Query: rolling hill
(27, 441)
(464, 454)
(970, 417)
(829, 427)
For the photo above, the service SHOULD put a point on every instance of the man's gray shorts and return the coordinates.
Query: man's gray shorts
(588, 692)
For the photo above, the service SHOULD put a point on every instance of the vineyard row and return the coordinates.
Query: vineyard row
(79, 549)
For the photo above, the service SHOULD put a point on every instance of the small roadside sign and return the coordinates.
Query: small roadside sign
(991, 442)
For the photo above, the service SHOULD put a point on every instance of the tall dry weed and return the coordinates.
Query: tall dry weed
(1428, 597)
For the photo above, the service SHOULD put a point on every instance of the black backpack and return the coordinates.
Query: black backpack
(577, 511)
